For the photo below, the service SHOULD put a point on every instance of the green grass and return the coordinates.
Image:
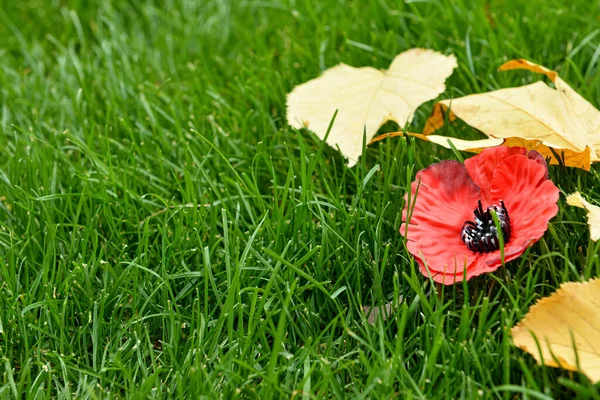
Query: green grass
(251, 282)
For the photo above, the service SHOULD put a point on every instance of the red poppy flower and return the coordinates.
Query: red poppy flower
(450, 230)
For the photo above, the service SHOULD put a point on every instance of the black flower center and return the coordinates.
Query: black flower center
(482, 236)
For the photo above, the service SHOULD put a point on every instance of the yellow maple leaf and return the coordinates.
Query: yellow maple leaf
(563, 329)
(366, 98)
(593, 213)
(552, 121)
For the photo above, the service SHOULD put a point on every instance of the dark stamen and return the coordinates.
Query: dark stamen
(482, 236)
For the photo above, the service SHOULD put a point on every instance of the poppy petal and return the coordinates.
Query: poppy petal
(538, 158)
(445, 199)
(489, 262)
(529, 196)
(482, 166)
(517, 180)
(446, 278)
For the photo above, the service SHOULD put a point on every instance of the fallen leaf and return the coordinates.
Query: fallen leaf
(474, 146)
(366, 98)
(568, 157)
(593, 213)
(555, 122)
(372, 312)
(569, 316)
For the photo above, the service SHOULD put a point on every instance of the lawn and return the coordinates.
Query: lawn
(164, 233)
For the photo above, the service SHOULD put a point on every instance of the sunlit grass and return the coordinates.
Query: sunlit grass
(164, 233)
